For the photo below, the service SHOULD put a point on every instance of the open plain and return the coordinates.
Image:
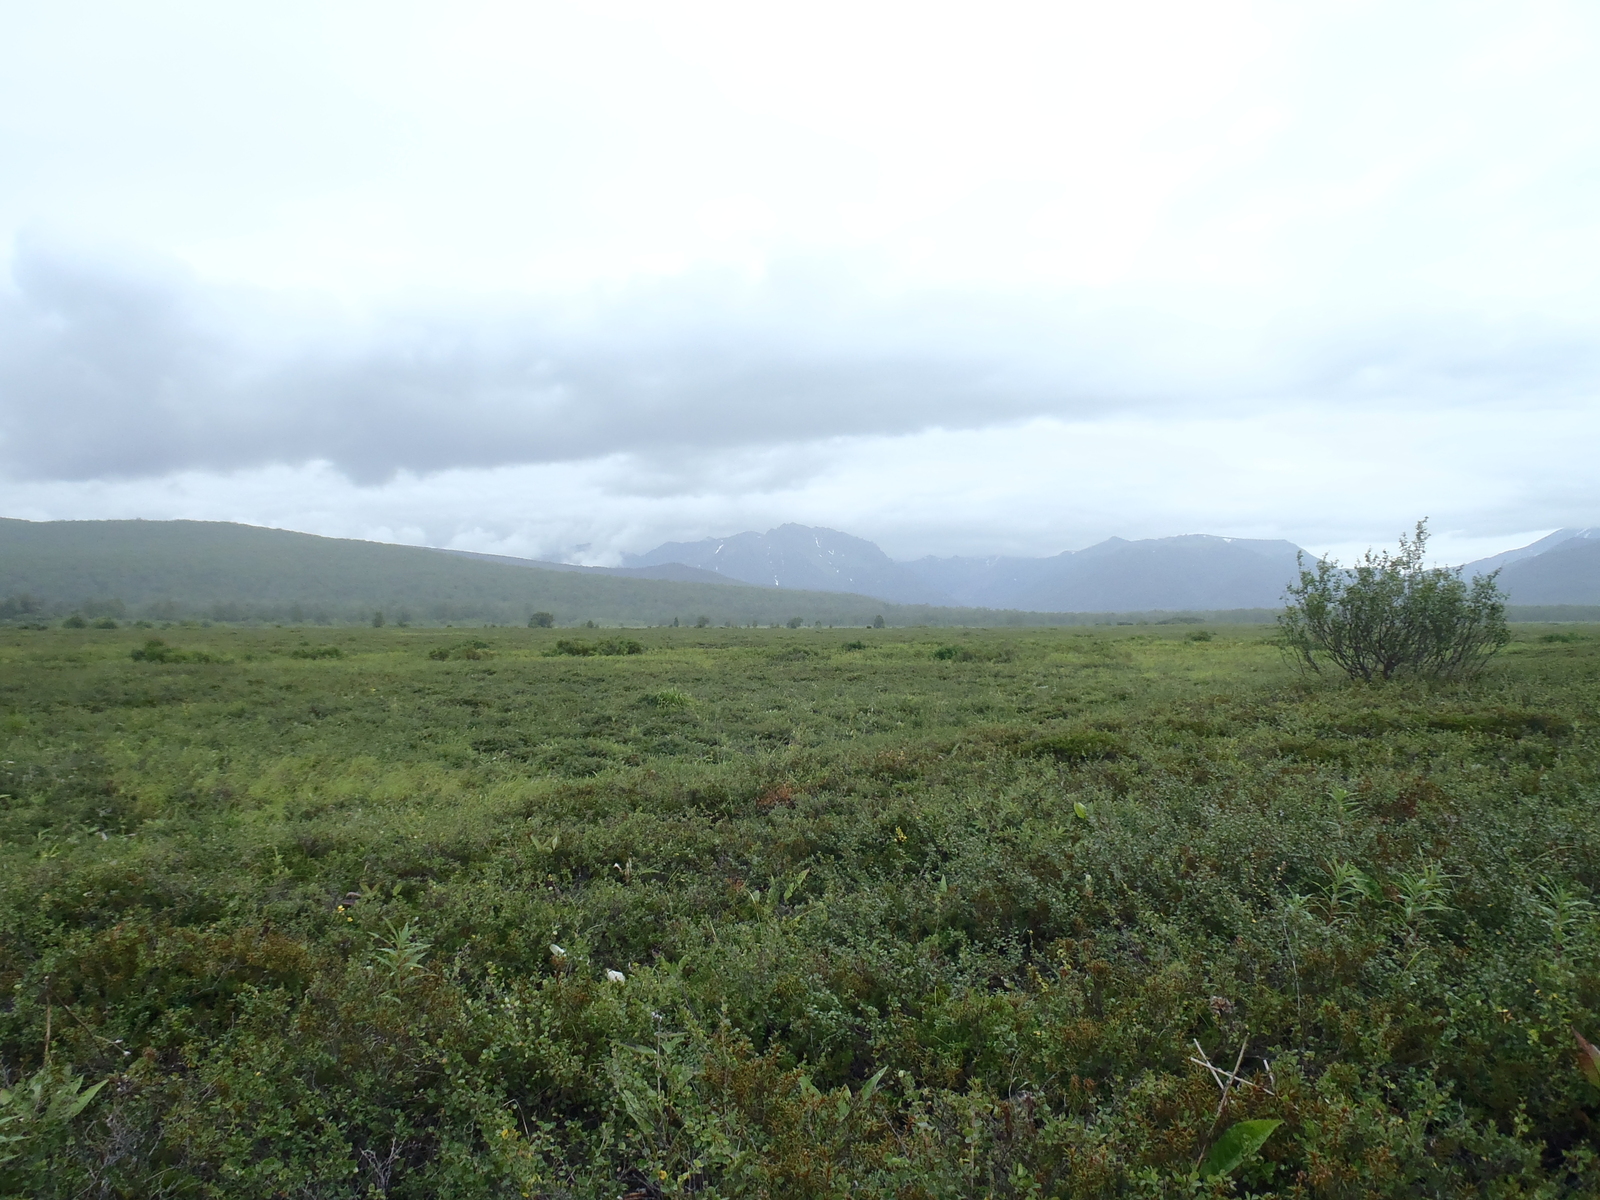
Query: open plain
(912, 913)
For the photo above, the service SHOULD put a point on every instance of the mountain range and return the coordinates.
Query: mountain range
(1189, 573)
(1563, 568)
(1194, 572)
(793, 574)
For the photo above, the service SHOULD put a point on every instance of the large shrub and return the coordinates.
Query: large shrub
(1389, 615)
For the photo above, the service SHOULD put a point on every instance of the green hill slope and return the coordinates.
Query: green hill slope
(221, 571)
(168, 570)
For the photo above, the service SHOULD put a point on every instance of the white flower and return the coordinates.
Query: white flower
(616, 976)
(557, 951)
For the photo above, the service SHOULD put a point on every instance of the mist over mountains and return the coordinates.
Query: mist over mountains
(1176, 573)
(1191, 572)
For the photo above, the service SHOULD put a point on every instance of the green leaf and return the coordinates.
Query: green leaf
(870, 1086)
(1236, 1145)
(1588, 1059)
(1078, 807)
(72, 1105)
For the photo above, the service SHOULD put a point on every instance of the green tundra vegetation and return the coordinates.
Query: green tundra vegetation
(1141, 911)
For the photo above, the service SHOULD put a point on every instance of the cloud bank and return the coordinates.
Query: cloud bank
(540, 278)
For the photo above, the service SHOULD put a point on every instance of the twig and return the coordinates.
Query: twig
(1227, 1087)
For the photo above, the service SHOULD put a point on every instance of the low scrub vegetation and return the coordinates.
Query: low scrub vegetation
(1390, 615)
(1085, 914)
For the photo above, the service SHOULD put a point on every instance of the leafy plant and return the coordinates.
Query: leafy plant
(403, 955)
(670, 698)
(1236, 1146)
(1389, 615)
(34, 1120)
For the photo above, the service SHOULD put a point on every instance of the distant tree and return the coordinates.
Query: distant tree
(796, 622)
(377, 620)
(877, 622)
(1389, 615)
(701, 622)
(75, 621)
(541, 620)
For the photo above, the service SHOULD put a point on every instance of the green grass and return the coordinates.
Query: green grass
(899, 913)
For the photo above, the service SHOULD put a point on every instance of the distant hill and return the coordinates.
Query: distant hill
(171, 570)
(1560, 569)
(1196, 571)
(800, 556)
(1504, 559)
(222, 571)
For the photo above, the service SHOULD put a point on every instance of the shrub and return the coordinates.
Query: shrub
(605, 646)
(472, 649)
(157, 651)
(316, 652)
(541, 620)
(669, 698)
(1088, 745)
(74, 622)
(1389, 615)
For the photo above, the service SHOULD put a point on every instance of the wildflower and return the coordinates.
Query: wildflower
(616, 976)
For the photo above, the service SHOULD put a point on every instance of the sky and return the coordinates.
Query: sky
(567, 281)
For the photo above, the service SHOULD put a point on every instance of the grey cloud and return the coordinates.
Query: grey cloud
(107, 375)
(124, 373)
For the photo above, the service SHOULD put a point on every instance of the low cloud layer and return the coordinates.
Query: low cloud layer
(120, 373)
(572, 281)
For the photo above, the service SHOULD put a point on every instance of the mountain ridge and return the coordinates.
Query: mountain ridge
(1187, 572)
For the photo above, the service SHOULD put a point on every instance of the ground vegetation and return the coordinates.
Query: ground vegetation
(793, 913)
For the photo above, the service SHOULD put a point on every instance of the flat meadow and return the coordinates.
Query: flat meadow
(913, 913)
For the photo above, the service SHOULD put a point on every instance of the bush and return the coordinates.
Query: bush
(1389, 615)
(75, 621)
(606, 646)
(157, 651)
(541, 620)
(316, 652)
(1088, 745)
(472, 649)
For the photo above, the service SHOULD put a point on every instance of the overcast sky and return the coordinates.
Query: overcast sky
(569, 280)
